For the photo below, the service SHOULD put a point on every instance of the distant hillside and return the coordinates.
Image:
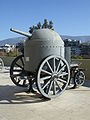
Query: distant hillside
(13, 41)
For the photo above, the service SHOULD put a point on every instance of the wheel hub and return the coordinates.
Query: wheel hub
(54, 76)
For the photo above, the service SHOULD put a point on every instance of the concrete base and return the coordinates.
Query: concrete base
(15, 104)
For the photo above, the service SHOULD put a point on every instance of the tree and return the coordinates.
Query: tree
(39, 25)
(31, 30)
(45, 24)
(50, 26)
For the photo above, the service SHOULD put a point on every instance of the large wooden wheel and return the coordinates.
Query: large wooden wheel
(53, 76)
(17, 72)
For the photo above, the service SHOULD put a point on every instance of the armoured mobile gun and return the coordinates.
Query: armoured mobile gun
(44, 64)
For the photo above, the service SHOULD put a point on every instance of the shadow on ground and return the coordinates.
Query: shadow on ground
(10, 94)
(87, 83)
(17, 95)
(85, 87)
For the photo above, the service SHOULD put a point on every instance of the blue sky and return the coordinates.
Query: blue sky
(70, 17)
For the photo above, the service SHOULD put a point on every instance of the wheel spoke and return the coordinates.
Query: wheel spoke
(46, 85)
(62, 68)
(49, 66)
(15, 75)
(58, 85)
(54, 64)
(1, 64)
(45, 78)
(46, 72)
(50, 86)
(81, 77)
(22, 61)
(24, 82)
(17, 70)
(62, 80)
(19, 66)
(63, 74)
(18, 81)
(54, 88)
(58, 66)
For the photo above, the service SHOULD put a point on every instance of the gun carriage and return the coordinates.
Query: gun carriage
(43, 63)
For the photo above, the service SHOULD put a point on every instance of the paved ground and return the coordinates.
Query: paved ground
(15, 104)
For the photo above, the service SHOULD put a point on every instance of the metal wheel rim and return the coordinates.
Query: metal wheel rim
(79, 78)
(54, 77)
(16, 72)
(1, 64)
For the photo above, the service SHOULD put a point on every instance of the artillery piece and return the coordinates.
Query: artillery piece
(43, 63)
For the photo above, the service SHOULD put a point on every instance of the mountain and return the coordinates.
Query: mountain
(13, 41)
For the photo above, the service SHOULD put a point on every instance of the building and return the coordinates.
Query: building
(74, 44)
(78, 48)
(6, 48)
(85, 50)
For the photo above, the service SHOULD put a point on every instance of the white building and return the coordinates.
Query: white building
(7, 48)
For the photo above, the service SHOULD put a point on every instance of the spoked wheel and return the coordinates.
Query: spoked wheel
(17, 72)
(79, 78)
(1, 64)
(53, 76)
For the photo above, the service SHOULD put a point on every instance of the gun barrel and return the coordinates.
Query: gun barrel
(20, 32)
